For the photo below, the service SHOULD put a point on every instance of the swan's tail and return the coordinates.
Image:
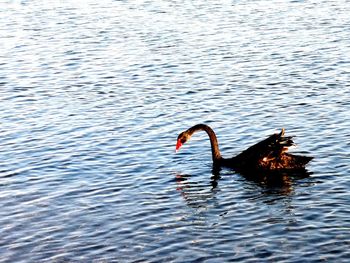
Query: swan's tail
(299, 161)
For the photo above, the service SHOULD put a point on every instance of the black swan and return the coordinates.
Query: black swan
(268, 155)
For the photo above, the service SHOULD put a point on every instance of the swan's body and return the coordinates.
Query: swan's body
(269, 154)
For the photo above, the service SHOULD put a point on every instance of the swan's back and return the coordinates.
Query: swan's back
(270, 154)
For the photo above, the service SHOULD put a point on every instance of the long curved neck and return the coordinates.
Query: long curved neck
(213, 140)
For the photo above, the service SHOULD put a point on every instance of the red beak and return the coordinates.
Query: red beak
(178, 145)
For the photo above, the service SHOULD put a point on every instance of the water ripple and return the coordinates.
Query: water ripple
(94, 95)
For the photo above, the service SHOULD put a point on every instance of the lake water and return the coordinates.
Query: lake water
(94, 93)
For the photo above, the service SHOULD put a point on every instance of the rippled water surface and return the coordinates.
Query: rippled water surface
(94, 93)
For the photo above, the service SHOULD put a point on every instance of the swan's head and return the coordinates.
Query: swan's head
(181, 139)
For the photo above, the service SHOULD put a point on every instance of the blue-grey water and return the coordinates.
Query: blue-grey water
(94, 93)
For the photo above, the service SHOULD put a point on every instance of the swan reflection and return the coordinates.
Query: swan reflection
(272, 184)
(196, 194)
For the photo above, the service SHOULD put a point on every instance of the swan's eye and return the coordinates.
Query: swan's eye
(183, 140)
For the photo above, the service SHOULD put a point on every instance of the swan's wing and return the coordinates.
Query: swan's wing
(267, 152)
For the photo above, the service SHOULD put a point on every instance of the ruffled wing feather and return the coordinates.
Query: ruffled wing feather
(271, 154)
